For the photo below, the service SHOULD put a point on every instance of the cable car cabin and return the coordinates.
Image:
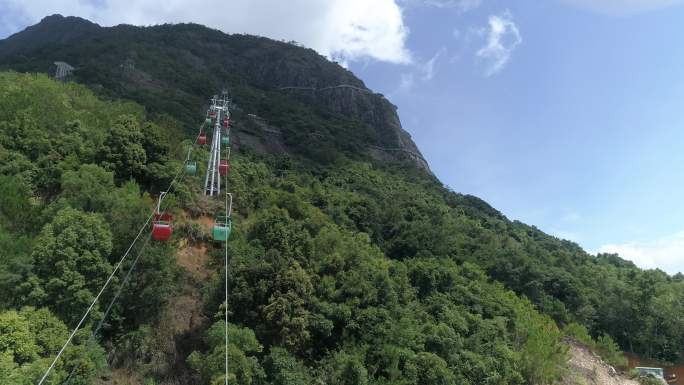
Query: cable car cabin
(225, 140)
(208, 120)
(224, 167)
(161, 227)
(191, 168)
(223, 225)
(202, 139)
(225, 122)
(212, 114)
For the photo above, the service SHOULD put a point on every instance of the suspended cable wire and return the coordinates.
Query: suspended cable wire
(109, 279)
(111, 304)
(97, 297)
(226, 288)
(229, 207)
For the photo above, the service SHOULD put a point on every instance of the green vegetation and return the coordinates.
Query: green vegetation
(343, 269)
(29, 339)
(64, 222)
(313, 298)
(604, 345)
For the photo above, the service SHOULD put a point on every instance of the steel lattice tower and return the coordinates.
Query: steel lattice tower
(212, 180)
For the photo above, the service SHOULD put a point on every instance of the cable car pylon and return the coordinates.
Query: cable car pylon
(161, 221)
(217, 116)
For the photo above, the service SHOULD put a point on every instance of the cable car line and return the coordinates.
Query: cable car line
(127, 277)
(162, 222)
(222, 223)
(97, 297)
(229, 208)
(109, 279)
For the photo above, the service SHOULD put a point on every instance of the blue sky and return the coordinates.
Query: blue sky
(564, 114)
(580, 133)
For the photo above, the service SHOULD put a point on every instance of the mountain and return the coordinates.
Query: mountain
(350, 262)
(173, 68)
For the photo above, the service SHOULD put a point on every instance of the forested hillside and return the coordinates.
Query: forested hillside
(312, 296)
(346, 266)
(174, 69)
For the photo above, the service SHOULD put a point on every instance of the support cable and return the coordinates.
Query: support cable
(111, 304)
(97, 297)
(107, 282)
(226, 290)
(229, 208)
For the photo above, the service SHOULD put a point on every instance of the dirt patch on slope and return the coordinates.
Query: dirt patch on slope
(179, 334)
(193, 258)
(121, 376)
(183, 322)
(206, 221)
(586, 368)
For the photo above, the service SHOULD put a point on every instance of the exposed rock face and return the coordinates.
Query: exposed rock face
(255, 133)
(171, 67)
(585, 367)
(372, 109)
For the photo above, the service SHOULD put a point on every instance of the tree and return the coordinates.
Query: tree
(70, 259)
(543, 356)
(243, 366)
(124, 151)
(430, 369)
(17, 214)
(16, 339)
(343, 368)
(88, 188)
(286, 313)
(282, 368)
(29, 339)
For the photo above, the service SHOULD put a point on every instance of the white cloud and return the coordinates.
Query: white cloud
(11, 19)
(419, 72)
(406, 82)
(459, 5)
(344, 29)
(428, 69)
(666, 253)
(503, 37)
(622, 7)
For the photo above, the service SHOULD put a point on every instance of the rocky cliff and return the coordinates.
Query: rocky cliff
(174, 68)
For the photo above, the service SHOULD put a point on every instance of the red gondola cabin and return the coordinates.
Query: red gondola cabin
(161, 227)
(224, 167)
(225, 122)
(202, 139)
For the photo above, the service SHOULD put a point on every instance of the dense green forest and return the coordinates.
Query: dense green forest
(344, 269)
(312, 296)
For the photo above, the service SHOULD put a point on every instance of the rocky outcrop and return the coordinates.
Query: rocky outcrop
(372, 109)
(173, 68)
(587, 368)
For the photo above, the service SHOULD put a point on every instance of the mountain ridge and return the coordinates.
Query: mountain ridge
(346, 263)
(125, 67)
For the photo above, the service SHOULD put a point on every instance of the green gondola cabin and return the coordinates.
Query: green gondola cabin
(191, 168)
(222, 227)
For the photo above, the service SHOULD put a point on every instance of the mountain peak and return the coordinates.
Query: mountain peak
(51, 30)
(170, 68)
(58, 18)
